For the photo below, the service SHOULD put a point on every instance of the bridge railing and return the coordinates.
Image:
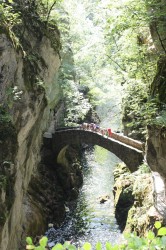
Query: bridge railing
(129, 141)
(66, 128)
(119, 137)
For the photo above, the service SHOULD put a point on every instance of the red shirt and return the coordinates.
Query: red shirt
(109, 132)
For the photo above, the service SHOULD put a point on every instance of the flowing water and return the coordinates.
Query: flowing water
(89, 220)
(95, 221)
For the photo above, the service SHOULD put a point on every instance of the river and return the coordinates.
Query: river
(89, 220)
(95, 221)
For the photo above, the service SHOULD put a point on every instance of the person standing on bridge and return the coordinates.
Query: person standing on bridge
(97, 128)
(109, 132)
(92, 126)
(102, 131)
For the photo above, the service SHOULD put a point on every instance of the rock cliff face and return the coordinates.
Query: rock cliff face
(149, 199)
(134, 205)
(156, 158)
(158, 34)
(28, 93)
(156, 141)
(157, 24)
(158, 84)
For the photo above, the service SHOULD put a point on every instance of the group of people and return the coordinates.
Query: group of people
(96, 128)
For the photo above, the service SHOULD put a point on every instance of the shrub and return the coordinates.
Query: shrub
(132, 242)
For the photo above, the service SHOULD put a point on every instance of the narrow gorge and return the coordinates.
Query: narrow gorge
(56, 72)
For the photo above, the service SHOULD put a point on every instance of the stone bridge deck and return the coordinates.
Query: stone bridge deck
(130, 151)
(129, 141)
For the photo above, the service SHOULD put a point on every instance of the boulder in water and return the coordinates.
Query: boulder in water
(103, 199)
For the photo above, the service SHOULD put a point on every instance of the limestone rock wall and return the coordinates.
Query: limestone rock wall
(158, 84)
(28, 97)
(149, 198)
(156, 158)
(134, 208)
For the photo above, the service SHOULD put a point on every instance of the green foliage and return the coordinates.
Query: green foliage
(8, 19)
(144, 168)
(4, 115)
(133, 55)
(96, 96)
(76, 104)
(98, 246)
(139, 109)
(161, 230)
(42, 243)
(13, 95)
(46, 8)
(129, 40)
(29, 241)
(7, 129)
(160, 120)
(87, 246)
(3, 181)
(125, 53)
(82, 33)
(132, 242)
(157, 224)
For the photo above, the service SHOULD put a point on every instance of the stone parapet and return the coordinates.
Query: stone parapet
(129, 141)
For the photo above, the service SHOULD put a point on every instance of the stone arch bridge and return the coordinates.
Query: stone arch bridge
(130, 151)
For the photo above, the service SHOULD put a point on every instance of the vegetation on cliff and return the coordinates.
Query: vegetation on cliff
(111, 50)
(134, 53)
(24, 76)
(127, 55)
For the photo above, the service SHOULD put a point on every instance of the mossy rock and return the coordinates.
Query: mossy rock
(158, 86)
(123, 193)
(120, 169)
(138, 218)
(133, 198)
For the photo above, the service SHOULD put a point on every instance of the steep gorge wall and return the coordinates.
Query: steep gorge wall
(156, 138)
(158, 33)
(29, 92)
(156, 158)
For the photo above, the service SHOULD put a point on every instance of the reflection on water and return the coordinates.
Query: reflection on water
(90, 220)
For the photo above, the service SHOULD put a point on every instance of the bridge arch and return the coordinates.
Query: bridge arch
(131, 156)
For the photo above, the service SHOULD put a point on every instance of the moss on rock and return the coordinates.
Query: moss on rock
(158, 86)
(138, 220)
(134, 199)
(123, 196)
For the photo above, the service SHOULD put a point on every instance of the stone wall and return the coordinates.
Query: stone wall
(28, 91)
(131, 156)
